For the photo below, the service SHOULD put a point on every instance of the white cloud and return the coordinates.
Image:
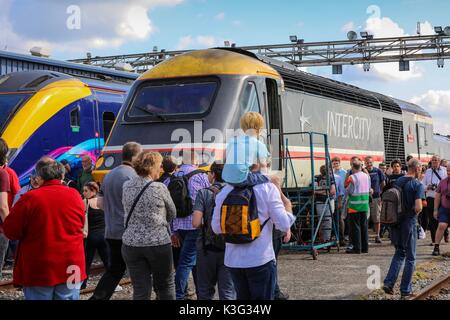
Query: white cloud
(136, 24)
(198, 42)
(206, 41)
(385, 27)
(426, 28)
(349, 26)
(437, 103)
(104, 24)
(185, 43)
(236, 23)
(220, 16)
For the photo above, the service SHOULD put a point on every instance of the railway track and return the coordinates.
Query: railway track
(433, 289)
(91, 289)
(8, 285)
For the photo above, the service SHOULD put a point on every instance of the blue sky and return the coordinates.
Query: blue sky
(116, 27)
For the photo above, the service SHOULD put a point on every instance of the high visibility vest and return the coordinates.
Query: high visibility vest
(358, 201)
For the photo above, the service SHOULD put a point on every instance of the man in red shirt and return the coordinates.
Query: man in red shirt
(4, 208)
(48, 222)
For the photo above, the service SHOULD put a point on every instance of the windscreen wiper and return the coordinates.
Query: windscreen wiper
(152, 113)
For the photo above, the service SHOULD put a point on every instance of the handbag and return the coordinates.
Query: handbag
(135, 203)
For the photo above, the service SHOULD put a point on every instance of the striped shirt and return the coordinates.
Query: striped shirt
(196, 183)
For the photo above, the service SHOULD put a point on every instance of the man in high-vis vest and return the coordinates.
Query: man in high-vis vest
(358, 189)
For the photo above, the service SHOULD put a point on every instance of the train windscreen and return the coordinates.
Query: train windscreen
(165, 101)
(8, 105)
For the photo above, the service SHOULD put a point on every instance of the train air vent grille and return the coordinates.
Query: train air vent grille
(393, 140)
(313, 84)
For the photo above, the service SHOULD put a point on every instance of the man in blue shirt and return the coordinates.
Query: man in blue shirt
(404, 235)
(377, 182)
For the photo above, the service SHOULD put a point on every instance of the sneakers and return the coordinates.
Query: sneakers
(407, 296)
(436, 251)
(388, 290)
(282, 296)
(378, 240)
(118, 288)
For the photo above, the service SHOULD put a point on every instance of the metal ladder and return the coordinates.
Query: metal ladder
(309, 222)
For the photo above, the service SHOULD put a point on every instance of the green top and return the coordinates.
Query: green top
(83, 178)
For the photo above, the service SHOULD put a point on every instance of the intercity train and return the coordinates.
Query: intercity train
(51, 113)
(191, 100)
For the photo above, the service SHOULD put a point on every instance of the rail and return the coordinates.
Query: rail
(433, 289)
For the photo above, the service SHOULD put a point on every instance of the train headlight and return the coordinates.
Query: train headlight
(109, 161)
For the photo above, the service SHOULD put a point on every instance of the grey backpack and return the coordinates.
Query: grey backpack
(392, 205)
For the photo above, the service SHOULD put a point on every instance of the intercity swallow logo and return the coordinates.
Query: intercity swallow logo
(304, 120)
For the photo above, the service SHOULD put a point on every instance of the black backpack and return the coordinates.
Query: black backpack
(163, 177)
(179, 191)
(210, 240)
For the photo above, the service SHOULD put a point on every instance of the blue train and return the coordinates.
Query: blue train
(50, 113)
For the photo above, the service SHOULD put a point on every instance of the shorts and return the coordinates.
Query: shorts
(375, 210)
(444, 215)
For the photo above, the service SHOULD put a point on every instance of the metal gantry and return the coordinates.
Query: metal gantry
(348, 52)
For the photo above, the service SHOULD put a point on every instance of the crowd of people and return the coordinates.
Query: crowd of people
(163, 222)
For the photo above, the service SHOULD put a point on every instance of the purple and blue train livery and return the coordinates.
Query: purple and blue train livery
(50, 113)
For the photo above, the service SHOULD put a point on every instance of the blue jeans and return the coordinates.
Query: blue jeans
(186, 260)
(256, 283)
(59, 292)
(404, 237)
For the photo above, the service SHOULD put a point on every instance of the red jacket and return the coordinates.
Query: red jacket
(48, 222)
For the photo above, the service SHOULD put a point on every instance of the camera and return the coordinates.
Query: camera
(434, 187)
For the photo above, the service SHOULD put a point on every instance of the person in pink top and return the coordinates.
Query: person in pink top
(442, 210)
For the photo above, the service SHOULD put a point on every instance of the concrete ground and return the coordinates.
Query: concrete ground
(339, 275)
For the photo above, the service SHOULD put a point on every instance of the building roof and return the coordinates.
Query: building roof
(61, 66)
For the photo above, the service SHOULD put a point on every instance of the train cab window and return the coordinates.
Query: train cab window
(172, 100)
(9, 103)
(108, 119)
(249, 99)
(75, 119)
(423, 136)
